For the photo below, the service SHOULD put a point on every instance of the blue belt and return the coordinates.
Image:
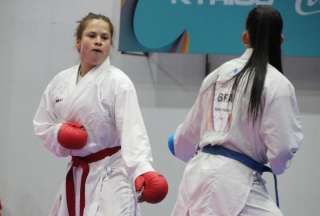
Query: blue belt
(245, 160)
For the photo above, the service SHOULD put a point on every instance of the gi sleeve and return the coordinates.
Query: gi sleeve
(46, 126)
(135, 145)
(187, 136)
(281, 128)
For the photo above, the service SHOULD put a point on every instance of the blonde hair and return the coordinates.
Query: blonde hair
(85, 20)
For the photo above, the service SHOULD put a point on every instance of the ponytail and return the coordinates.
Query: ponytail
(264, 25)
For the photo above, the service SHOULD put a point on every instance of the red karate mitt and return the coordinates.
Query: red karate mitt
(72, 135)
(154, 187)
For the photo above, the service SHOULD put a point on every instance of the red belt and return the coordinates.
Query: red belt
(83, 162)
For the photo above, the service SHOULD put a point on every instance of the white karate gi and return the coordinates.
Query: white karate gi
(213, 185)
(105, 102)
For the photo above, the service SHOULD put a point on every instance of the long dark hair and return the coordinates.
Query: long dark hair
(264, 25)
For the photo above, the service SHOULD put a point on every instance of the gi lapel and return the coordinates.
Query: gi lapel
(73, 100)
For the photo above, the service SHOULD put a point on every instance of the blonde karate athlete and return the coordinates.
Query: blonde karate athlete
(246, 115)
(90, 112)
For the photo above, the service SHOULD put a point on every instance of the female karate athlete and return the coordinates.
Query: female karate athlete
(246, 115)
(91, 113)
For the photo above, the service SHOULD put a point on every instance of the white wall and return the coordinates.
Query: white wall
(36, 42)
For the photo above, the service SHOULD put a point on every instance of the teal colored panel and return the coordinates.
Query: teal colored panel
(215, 26)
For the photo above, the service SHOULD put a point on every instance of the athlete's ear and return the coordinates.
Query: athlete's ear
(246, 39)
(78, 44)
(282, 38)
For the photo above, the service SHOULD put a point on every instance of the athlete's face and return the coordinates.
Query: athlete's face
(95, 43)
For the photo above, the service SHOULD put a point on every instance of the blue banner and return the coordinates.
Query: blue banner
(213, 26)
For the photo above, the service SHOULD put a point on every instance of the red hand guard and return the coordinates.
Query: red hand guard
(72, 135)
(155, 186)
